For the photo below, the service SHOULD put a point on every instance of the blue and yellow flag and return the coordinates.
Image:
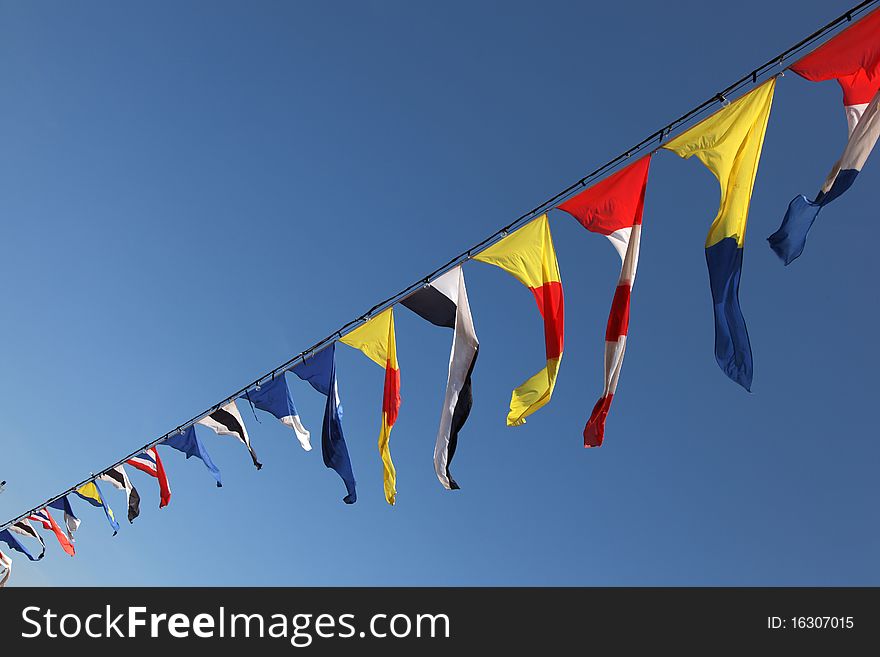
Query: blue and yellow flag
(92, 494)
(729, 143)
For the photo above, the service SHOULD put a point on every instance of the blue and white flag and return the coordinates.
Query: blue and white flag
(274, 397)
(320, 371)
(7, 537)
(70, 519)
(227, 421)
(188, 443)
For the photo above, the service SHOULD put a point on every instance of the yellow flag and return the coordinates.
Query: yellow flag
(376, 340)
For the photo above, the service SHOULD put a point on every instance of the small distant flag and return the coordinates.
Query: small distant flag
(613, 208)
(70, 519)
(43, 517)
(226, 421)
(118, 478)
(528, 255)
(319, 369)
(6, 536)
(6, 564)
(444, 302)
(150, 463)
(853, 59)
(24, 528)
(91, 493)
(375, 339)
(274, 397)
(188, 443)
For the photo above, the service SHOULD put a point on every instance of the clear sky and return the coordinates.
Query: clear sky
(192, 192)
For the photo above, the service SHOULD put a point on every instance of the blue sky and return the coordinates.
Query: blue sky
(192, 192)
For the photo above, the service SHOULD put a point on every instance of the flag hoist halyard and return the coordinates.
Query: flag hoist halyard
(150, 463)
(527, 254)
(43, 517)
(729, 143)
(319, 370)
(6, 565)
(853, 59)
(274, 397)
(444, 302)
(226, 421)
(614, 208)
(375, 338)
(118, 478)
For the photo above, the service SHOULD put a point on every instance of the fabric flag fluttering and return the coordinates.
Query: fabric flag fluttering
(375, 338)
(190, 444)
(614, 208)
(274, 397)
(6, 565)
(729, 143)
(6, 536)
(529, 256)
(226, 421)
(853, 59)
(71, 522)
(92, 494)
(444, 302)
(24, 528)
(118, 478)
(150, 463)
(319, 370)
(43, 517)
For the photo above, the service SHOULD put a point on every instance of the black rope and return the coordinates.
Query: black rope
(656, 136)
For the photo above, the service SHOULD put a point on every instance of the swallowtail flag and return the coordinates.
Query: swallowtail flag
(226, 421)
(150, 463)
(853, 59)
(118, 478)
(24, 528)
(43, 517)
(6, 536)
(729, 144)
(613, 208)
(70, 519)
(190, 444)
(444, 302)
(274, 397)
(319, 369)
(6, 565)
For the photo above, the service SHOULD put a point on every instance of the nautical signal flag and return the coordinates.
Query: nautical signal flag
(274, 397)
(226, 421)
(92, 494)
(319, 369)
(43, 517)
(375, 338)
(528, 255)
(118, 478)
(6, 565)
(444, 302)
(729, 143)
(613, 207)
(6, 536)
(150, 463)
(71, 522)
(853, 59)
(24, 528)
(190, 444)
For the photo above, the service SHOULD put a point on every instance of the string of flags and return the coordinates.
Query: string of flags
(728, 143)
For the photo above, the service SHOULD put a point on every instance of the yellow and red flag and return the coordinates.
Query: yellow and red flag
(528, 255)
(375, 339)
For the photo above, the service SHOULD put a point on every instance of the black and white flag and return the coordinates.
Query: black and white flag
(118, 478)
(226, 421)
(444, 302)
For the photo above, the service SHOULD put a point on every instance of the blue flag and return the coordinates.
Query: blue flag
(188, 443)
(70, 519)
(274, 397)
(7, 537)
(320, 371)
